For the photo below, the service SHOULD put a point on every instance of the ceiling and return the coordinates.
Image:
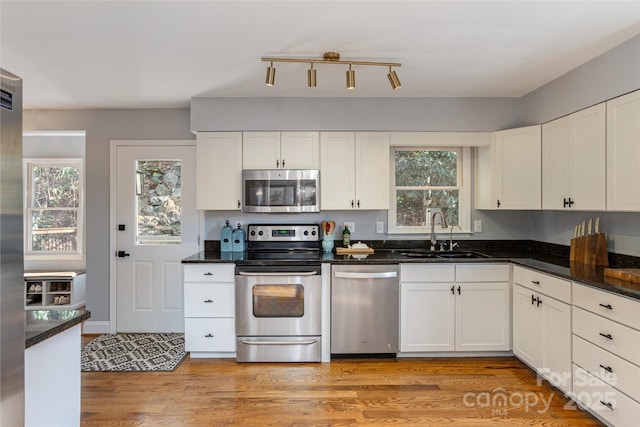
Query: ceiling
(159, 54)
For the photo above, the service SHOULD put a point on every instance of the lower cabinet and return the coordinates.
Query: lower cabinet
(542, 327)
(209, 310)
(454, 308)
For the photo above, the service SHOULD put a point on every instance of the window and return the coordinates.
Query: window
(426, 180)
(53, 218)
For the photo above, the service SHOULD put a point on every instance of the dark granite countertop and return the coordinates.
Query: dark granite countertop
(40, 325)
(546, 258)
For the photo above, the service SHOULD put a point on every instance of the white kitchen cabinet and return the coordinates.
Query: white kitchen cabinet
(54, 290)
(623, 153)
(354, 170)
(606, 354)
(542, 325)
(508, 173)
(209, 310)
(454, 308)
(219, 170)
(280, 150)
(574, 161)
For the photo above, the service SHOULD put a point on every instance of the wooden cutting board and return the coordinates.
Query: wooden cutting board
(344, 251)
(626, 274)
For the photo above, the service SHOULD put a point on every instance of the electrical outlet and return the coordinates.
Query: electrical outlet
(477, 226)
(380, 227)
(351, 226)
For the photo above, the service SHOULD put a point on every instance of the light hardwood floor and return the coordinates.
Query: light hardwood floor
(392, 392)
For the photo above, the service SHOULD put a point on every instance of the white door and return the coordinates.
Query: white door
(156, 227)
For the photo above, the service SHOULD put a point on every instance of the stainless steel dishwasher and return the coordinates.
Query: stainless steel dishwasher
(364, 309)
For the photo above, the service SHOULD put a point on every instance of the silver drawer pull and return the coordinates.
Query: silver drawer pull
(607, 404)
(607, 368)
(306, 342)
(607, 336)
(208, 300)
(607, 306)
(209, 336)
(535, 282)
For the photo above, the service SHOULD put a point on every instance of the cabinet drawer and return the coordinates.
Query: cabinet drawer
(209, 273)
(613, 337)
(614, 307)
(482, 273)
(209, 300)
(543, 283)
(613, 370)
(594, 394)
(427, 273)
(211, 335)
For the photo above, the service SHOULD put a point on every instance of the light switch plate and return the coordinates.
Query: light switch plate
(351, 226)
(477, 226)
(380, 227)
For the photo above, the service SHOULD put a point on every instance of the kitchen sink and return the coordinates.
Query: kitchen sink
(443, 255)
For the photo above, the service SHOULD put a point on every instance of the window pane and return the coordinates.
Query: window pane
(414, 206)
(55, 187)
(426, 168)
(159, 202)
(54, 230)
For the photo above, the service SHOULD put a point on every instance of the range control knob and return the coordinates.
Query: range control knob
(260, 232)
(253, 233)
(306, 232)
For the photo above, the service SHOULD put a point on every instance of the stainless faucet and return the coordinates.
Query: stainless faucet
(443, 224)
(451, 244)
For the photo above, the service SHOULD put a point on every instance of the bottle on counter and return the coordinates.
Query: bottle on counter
(346, 237)
(238, 239)
(225, 238)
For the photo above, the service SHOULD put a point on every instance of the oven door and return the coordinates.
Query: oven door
(278, 304)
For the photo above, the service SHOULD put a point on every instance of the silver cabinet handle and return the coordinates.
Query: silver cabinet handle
(381, 275)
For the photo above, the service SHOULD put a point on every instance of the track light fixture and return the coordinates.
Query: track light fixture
(332, 58)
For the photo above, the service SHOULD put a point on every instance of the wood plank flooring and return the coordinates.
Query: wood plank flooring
(369, 392)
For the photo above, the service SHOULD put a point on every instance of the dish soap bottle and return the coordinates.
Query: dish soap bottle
(346, 237)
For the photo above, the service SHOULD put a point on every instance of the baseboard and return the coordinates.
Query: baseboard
(96, 327)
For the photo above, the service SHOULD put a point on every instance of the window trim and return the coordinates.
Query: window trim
(464, 176)
(28, 165)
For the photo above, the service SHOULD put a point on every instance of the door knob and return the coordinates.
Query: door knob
(122, 254)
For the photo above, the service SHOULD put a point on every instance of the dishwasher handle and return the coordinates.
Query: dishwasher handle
(369, 275)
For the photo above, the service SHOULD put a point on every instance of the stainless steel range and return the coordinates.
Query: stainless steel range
(278, 294)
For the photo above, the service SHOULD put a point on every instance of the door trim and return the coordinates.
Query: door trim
(113, 151)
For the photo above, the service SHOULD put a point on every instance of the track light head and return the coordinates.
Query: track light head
(351, 78)
(393, 79)
(311, 76)
(271, 75)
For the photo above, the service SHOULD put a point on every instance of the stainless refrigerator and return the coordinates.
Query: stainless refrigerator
(11, 253)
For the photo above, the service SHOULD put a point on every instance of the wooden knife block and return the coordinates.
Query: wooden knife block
(590, 250)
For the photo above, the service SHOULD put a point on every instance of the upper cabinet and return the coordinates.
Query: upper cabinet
(623, 153)
(280, 150)
(508, 174)
(354, 170)
(218, 170)
(574, 162)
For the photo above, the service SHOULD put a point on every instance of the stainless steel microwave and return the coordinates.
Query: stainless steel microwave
(281, 190)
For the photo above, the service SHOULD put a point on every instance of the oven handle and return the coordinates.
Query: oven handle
(306, 342)
(303, 273)
(381, 275)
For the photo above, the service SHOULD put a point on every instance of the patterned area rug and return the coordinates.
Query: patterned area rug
(133, 352)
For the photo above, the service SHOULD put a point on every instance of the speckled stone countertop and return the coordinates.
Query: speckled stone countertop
(544, 257)
(40, 325)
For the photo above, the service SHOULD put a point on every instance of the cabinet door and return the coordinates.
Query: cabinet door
(526, 326)
(427, 317)
(588, 178)
(557, 161)
(372, 170)
(261, 150)
(517, 180)
(300, 150)
(623, 153)
(483, 317)
(219, 170)
(555, 331)
(337, 173)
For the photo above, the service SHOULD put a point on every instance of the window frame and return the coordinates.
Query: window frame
(28, 165)
(464, 186)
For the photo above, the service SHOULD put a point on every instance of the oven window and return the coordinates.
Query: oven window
(278, 300)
